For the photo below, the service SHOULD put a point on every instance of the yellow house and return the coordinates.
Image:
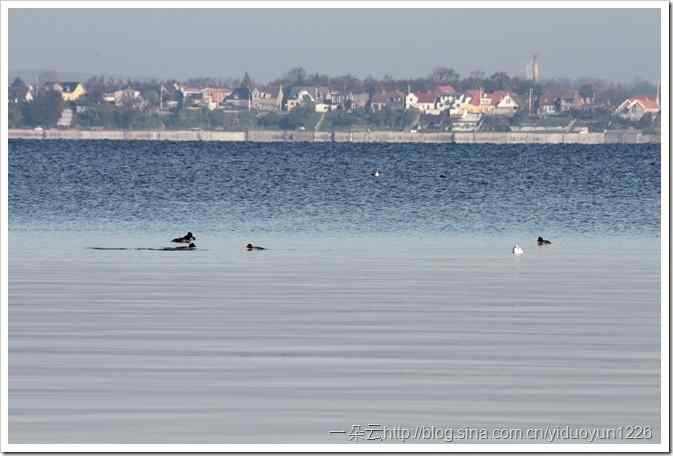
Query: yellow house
(469, 103)
(70, 91)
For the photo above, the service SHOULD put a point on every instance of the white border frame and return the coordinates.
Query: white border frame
(663, 446)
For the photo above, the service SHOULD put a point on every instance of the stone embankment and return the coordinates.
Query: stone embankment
(611, 137)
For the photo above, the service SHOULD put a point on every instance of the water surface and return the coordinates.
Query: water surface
(391, 300)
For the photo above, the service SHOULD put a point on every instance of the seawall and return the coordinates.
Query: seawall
(611, 137)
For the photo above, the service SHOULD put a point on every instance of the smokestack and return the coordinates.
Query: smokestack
(533, 69)
(536, 69)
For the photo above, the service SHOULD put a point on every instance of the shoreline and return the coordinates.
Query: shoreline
(611, 137)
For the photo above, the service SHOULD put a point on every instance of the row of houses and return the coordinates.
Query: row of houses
(500, 102)
(467, 106)
(70, 91)
(272, 98)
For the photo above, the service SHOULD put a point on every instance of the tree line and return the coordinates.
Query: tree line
(91, 110)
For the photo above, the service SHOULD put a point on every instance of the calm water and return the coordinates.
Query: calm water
(392, 300)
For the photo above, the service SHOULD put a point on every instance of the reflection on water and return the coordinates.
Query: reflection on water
(392, 300)
(223, 345)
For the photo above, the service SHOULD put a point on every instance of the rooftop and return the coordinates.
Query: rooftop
(648, 103)
(425, 97)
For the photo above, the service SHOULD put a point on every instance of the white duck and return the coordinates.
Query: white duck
(517, 250)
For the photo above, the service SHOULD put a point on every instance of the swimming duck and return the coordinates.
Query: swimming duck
(442, 176)
(541, 241)
(517, 250)
(191, 246)
(254, 247)
(375, 173)
(186, 239)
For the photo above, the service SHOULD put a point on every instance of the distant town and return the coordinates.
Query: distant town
(443, 101)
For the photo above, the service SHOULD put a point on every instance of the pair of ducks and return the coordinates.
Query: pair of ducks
(517, 250)
(189, 238)
(186, 239)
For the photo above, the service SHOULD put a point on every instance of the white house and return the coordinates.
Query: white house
(299, 96)
(269, 99)
(359, 100)
(426, 102)
(469, 102)
(635, 108)
(390, 100)
(504, 103)
(467, 121)
(66, 118)
(119, 97)
(325, 107)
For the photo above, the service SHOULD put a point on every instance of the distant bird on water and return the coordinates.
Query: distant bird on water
(541, 241)
(191, 246)
(442, 176)
(251, 247)
(517, 250)
(375, 173)
(186, 239)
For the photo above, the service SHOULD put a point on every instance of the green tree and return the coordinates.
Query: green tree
(15, 115)
(641, 87)
(247, 120)
(473, 81)
(17, 91)
(340, 120)
(298, 117)
(126, 115)
(587, 91)
(46, 109)
(180, 98)
(443, 75)
(500, 81)
(347, 83)
(647, 121)
(371, 85)
(188, 118)
(152, 97)
(17, 103)
(296, 75)
(386, 119)
(95, 88)
(269, 120)
(522, 86)
(147, 121)
(389, 83)
(317, 79)
(47, 76)
(247, 82)
(17, 82)
(96, 115)
(410, 117)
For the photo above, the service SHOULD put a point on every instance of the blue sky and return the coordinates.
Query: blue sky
(614, 44)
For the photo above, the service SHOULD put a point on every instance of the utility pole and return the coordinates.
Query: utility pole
(161, 98)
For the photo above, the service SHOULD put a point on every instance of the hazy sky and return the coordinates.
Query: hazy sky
(616, 44)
